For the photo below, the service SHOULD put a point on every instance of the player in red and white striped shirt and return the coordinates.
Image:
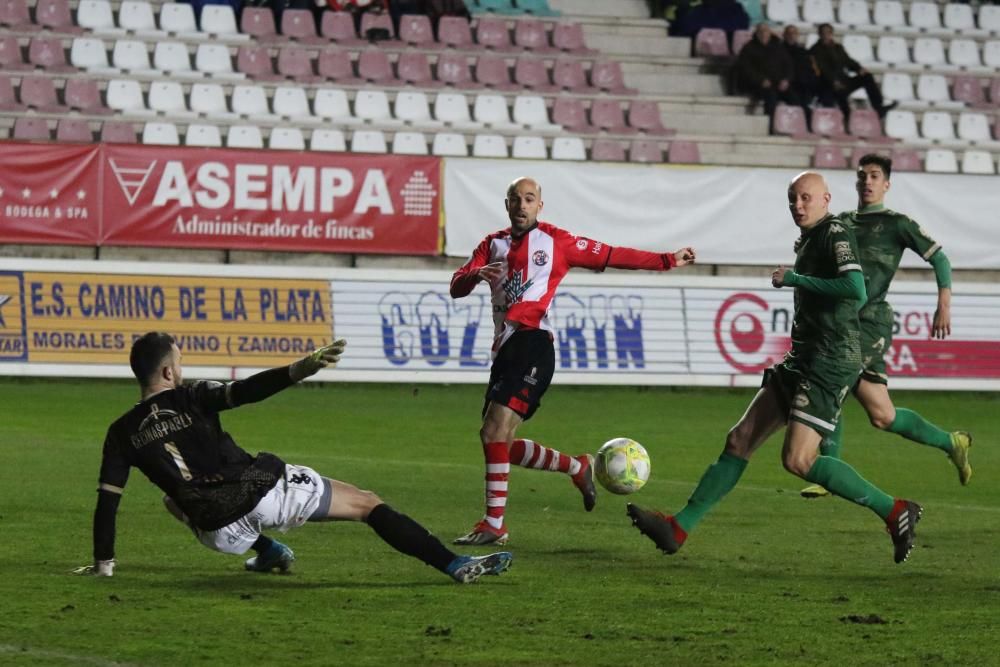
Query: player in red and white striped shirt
(524, 265)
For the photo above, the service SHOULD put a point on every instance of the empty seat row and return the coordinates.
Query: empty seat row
(926, 52)
(888, 15)
(933, 90)
(940, 160)
(938, 126)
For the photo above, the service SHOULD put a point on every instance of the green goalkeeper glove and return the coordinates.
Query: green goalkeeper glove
(317, 360)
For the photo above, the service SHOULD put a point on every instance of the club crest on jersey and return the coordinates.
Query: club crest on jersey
(836, 228)
(515, 287)
(581, 244)
(540, 258)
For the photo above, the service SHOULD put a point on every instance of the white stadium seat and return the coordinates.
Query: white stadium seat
(286, 139)
(220, 20)
(249, 100)
(125, 96)
(973, 127)
(131, 55)
(889, 14)
(989, 17)
(941, 161)
(491, 110)
(332, 104)
(928, 51)
(933, 88)
(215, 60)
(409, 143)
(177, 19)
(978, 162)
(854, 12)
(530, 111)
(489, 145)
(293, 103)
(244, 136)
(160, 134)
(528, 148)
(173, 58)
(453, 110)
(136, 16)
(96, 15)
(817, 11)
(901, 125)
(897, 86)
(208, 99)
(372, 106)
(449, 144)
(328, 140)
(958, 16)
(568, 148)
(859, 47)
(167, 97)
(368, 141)
(937, 125)
(991, 53)
(89, 53)
(963, 52)
(413, 107)
(782, 11)
(924, 15)
(199, 134)
(892, 50)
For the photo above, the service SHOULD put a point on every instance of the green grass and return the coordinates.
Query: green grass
(768, 578)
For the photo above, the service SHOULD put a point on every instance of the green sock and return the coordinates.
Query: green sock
(718, 480)
(832, 443)
(913, 427)
(843, 480)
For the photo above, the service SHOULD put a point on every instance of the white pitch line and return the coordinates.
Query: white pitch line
(59, 655)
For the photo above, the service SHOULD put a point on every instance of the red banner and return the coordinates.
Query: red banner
(49, 193)
(217, 198)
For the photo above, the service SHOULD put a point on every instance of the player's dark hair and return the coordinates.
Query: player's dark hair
(820, 27)
(882, 162)
(148, 352)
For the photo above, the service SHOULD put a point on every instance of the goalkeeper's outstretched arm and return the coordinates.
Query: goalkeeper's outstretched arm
(262, 385)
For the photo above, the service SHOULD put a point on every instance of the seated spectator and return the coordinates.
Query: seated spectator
(438, 8)
(691, 16)
(764, 70)
(840, 75)
(358, 7)
(805, 75)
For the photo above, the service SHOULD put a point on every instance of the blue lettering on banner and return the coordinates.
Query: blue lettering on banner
(431, 321)
(117, 302)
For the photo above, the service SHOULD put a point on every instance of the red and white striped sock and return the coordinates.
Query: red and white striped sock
(497, 471)
(530, 454)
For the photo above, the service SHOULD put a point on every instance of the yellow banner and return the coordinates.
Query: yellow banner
(90, 318)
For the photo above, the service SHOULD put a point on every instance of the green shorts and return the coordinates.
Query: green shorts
(876, 337)
(812, 395)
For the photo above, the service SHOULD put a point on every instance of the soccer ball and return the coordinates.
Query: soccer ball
(622, 466)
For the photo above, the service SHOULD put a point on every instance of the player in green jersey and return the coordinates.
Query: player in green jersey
(882, 236)
(806, 389)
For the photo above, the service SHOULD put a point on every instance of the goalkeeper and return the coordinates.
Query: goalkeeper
(227, 497)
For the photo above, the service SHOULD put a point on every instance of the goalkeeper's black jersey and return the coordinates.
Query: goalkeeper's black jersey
(176, 439)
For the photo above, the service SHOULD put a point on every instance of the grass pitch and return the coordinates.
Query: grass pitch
(768, 578)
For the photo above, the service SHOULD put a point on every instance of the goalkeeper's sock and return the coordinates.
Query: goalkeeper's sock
(913, 427)
(407, 536)
(841, 479)
(262, 544)
(832, 443)
(718, 480)
(530, 454)
(497, 471)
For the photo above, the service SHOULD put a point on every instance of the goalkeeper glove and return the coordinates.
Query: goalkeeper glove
(100, 568)
(317, 360)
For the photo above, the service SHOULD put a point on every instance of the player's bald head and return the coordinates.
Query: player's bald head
(522, 184)
(808, 199)
(811, 181)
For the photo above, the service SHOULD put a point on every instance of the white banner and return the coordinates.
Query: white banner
(729, 215)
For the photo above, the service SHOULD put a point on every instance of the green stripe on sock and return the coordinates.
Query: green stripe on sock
(913, 427)
(718, 480)
(843, 480)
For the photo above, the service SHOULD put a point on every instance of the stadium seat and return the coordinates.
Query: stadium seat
(569, 38)
(897, 86)
(130, 55)
(339, 27)
(372, 21)
(683, 152)
(991, 53)
(536, 7)
(11, 58)
(48, 54)
(455, 32)
(373, 106)
(711, 42)
(86, 53)
(335, 65)
(209, 100)
(167, 98)
(250, 101)
(244, 136)
(740, 39)
(96, 16)
(173, 59)
(859, 47)
(56, 16)
(199, 134)
(531, 73)
(782, 11)
(608, 76)
(375, 67)
(29, 128)
(854, 13)
(177, 20)
(817, 11)
(409, 143)
(413, 68)
(569, 148)
(449, 144)
(286, 139)
(937, 125)
(826, 156)
(489, 145)
(215, 61)
(888, 14)
(368, 141)
(258, 23)
(413, 108)
(531, 35)
(933, 88)
(570, 113)
(136, 17)
(416, 31)
(118, 132)
(125, 96)
(491, 110)
(528, 148)
(14, 14)
(453, 70)
(892, 50)
(39, 93)
(973, 127)
(900, 124)
(644, 115)
(74, 130)
(978, 162)
(453, 110)
(989, 18)
(160, 134)
(492, 33)
(531, 112)
(967, 90)
(328, 140)
(924, 15)
(608, 115)
(295, 63)
(790, 120)
(254, 61)
(828, 122)
(865, 124)
(298, 24)
(492, 72)
(8, 100)
(958, 17)
(569, 75)
(928, 51)
(941, 161)
(607, 150)
(645, 151)
(220, 21)
(964, 52)
(292, 102)
(332, 104)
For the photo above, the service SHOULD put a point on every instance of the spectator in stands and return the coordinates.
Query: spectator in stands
(805, 75)
(438, 8)
(764, 70)
(690, 16)
(840, 75)
(359, 7)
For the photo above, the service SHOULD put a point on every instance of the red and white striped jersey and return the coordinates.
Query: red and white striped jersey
(534, 265)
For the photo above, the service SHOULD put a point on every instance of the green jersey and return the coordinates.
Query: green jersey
(883, 235)
(826, 326)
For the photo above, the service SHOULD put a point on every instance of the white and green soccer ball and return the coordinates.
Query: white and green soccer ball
(622, 466)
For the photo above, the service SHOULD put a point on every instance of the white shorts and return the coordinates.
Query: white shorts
(288, 505)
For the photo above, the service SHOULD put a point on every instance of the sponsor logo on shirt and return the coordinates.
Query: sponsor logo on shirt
(581, 244)
(540, 258)
(843, 252)
(597, 247)
(515, 287)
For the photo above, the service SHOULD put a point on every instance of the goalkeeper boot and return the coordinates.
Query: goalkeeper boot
(584, 480)
(275, 557)
(901, 526)
(467, 569)
(961, 442)
(482, 534)
(814, 491)
(663, 529)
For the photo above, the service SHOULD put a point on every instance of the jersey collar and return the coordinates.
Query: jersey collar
(872, 208)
